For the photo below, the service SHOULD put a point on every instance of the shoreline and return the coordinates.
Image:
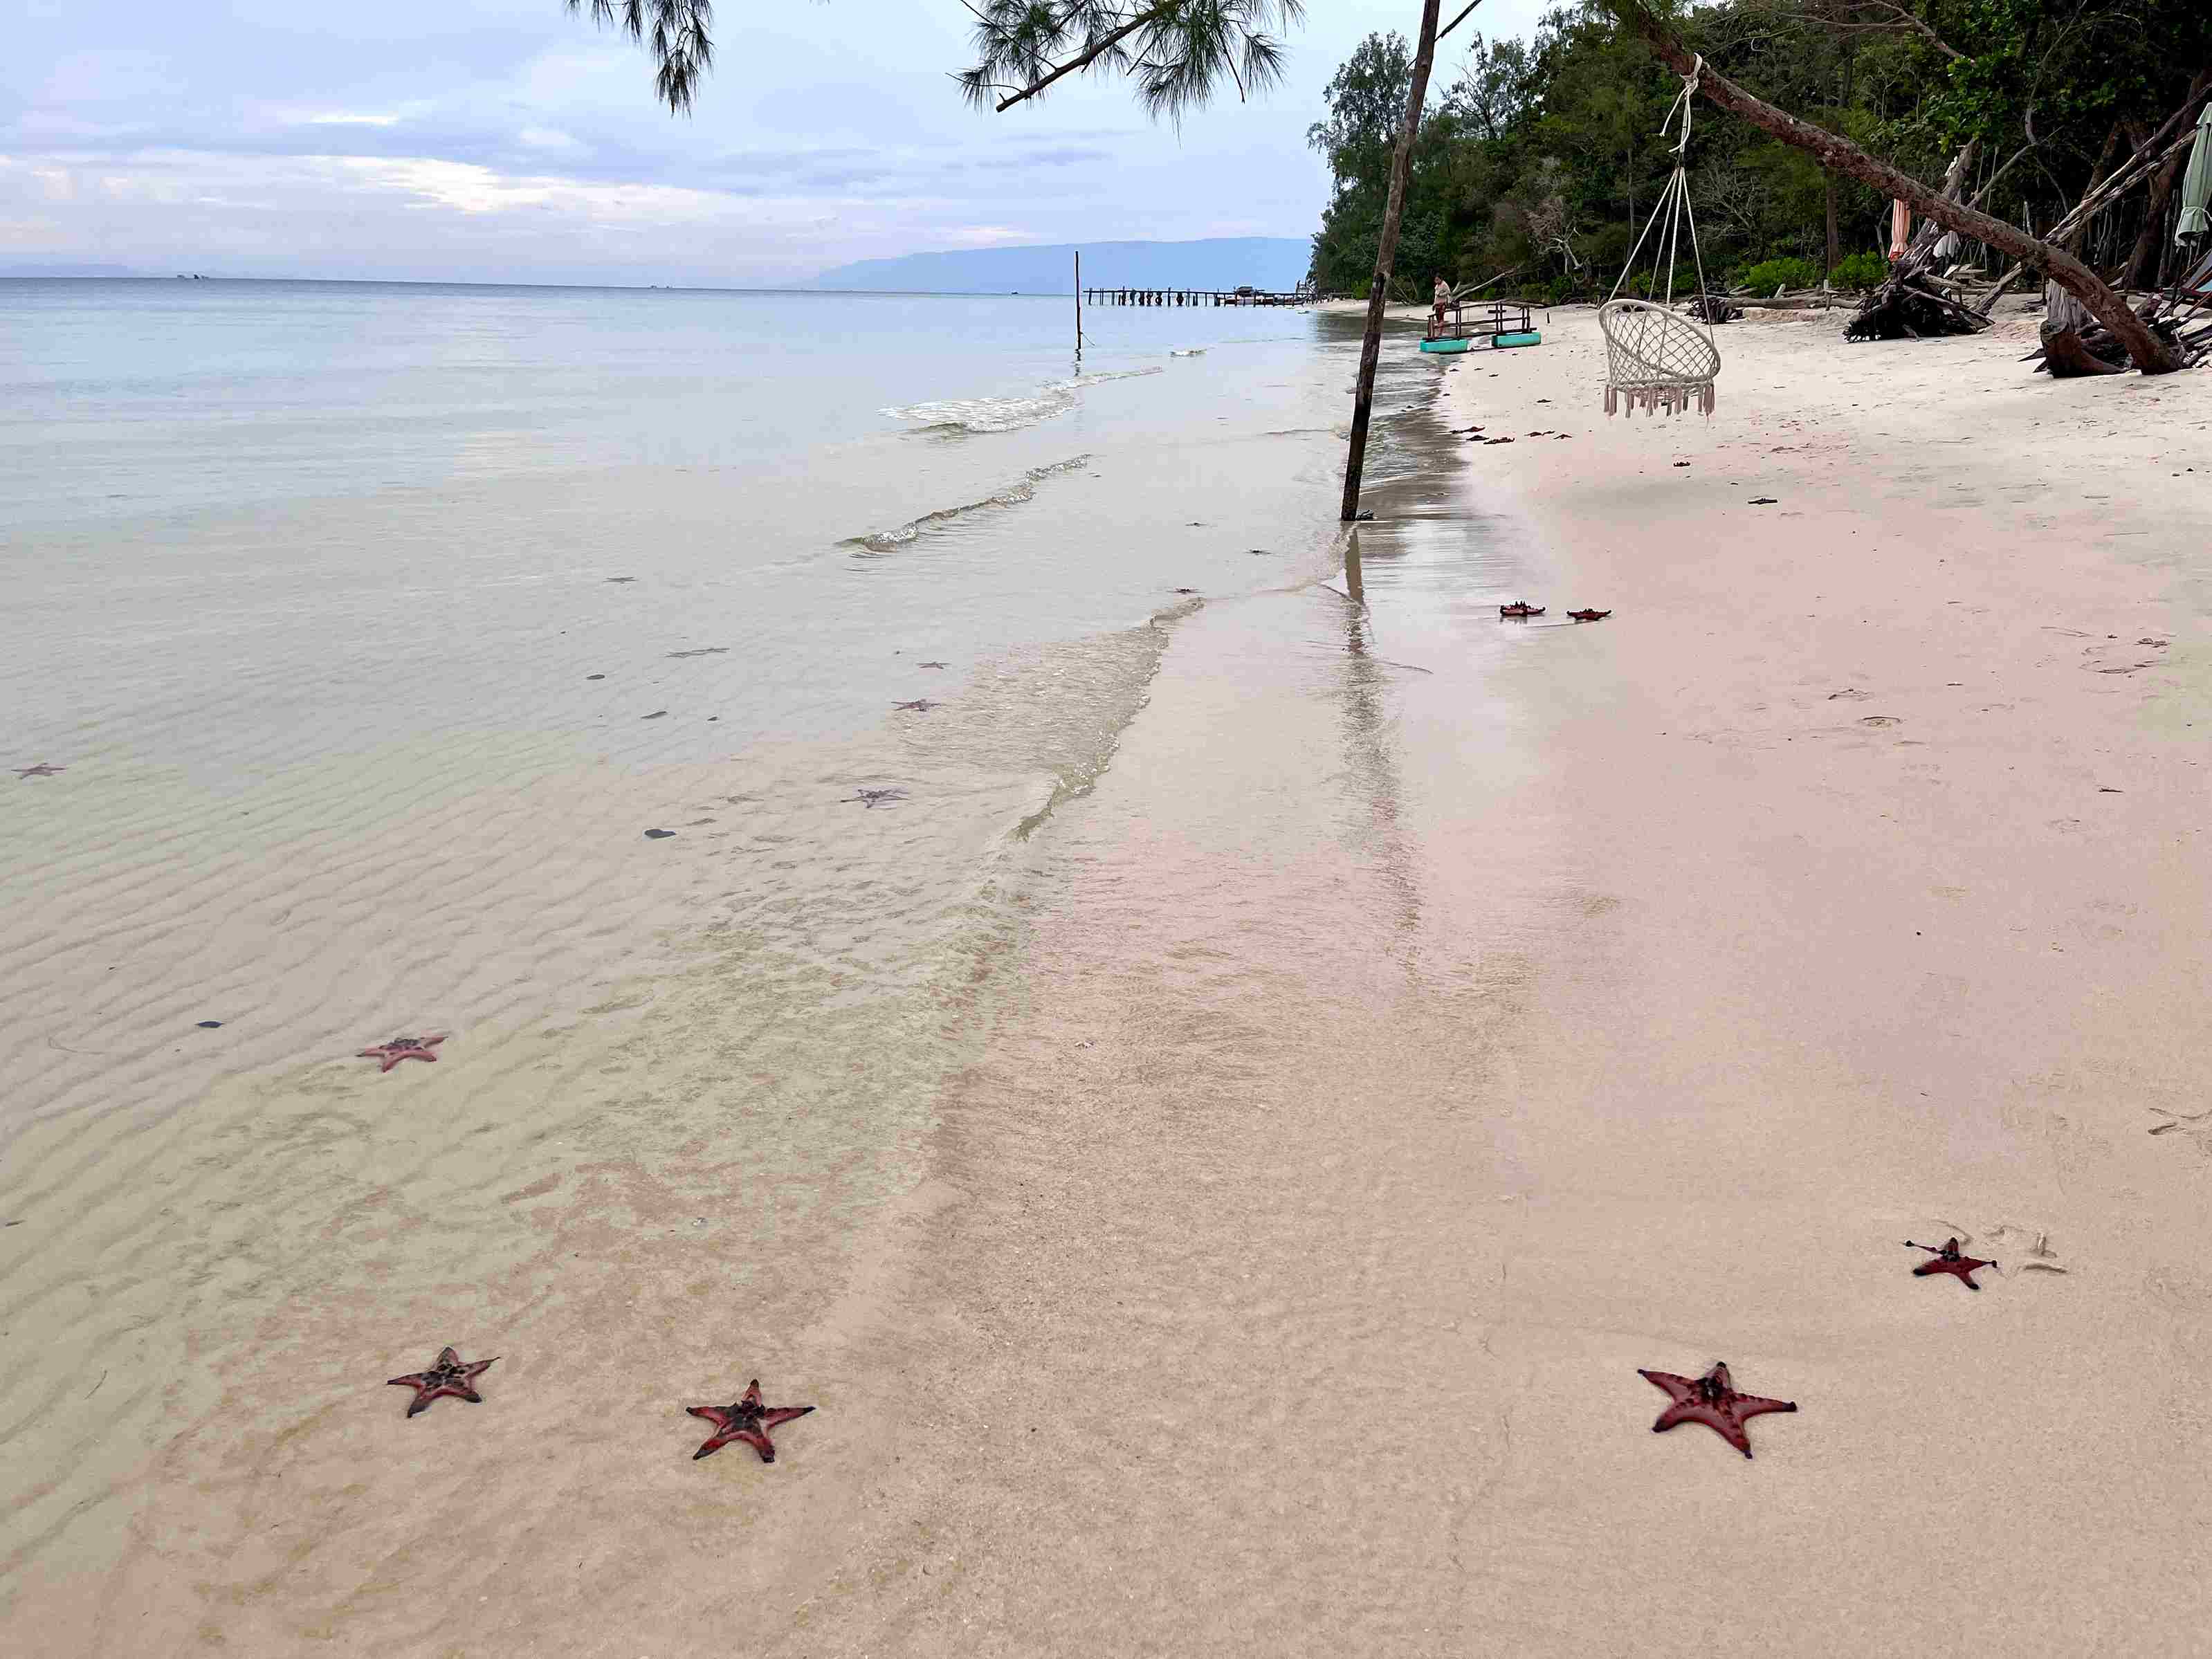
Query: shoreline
(1423, 1023)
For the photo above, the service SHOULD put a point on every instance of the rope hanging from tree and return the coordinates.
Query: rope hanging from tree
(1657, 357)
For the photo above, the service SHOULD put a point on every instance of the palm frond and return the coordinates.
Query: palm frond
(677, 32)
(1181, 53)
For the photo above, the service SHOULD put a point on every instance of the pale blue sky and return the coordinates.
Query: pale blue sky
(483, 140)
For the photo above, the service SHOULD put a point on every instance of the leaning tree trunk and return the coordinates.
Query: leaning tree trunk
(2072, 240)
(2149, 354)
(1386, 253)
(2173, 135)
(2142, 269)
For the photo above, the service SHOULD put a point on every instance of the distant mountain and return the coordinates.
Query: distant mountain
(67, 270)
(1224, 262)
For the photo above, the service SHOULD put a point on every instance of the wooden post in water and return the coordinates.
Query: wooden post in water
(1078, 304)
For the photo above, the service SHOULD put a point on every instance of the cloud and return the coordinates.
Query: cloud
(493, 138)
(546, 138)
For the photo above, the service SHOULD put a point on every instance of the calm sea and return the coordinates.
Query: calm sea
(254, 535)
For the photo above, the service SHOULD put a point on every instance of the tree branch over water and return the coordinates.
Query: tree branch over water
(1178, 53)
(680, 41)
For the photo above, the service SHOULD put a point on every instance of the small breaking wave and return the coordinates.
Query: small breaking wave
(1007, 414)
(890, 540)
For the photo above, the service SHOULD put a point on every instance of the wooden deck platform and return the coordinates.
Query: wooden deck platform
(1196, 297)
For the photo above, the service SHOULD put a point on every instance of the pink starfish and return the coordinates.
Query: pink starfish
(1712, 1400)
(402, 1047)
(1948, 1260)
(449, 1376)
(747, 1420)
(41, 770)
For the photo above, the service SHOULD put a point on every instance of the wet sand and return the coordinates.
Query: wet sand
(1425, 1023)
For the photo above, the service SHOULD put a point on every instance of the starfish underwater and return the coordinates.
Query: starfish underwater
(399, 1048)
(41, 770)
(1712, 1400)
(1520, 608)
(449, 1376)
(920, 705)
(1949, 1260)
(874, 797)
(1590, 616)
(746, 1419)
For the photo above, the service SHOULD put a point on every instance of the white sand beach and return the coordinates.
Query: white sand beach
(1424, 1023)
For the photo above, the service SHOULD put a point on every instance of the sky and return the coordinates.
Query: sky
(506, 140)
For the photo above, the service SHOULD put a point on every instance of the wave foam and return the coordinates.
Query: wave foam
(1007, 414)
(890, 540)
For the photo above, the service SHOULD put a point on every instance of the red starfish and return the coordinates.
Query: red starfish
(447, 1377)
(1590, 616)
(1712, 1400)
(747, 1420)
(1949, 1260)
(402, 1047)
(1520, 608)
(41, 770)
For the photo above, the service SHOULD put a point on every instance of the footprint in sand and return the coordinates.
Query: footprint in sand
(2116, 659)
(2193, 1127)
(1880, 719)
(2022, 1249)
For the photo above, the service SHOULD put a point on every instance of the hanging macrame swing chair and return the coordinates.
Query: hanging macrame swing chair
(1658, 357)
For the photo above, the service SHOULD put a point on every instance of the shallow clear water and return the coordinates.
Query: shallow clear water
(801, 482)
(662, 559)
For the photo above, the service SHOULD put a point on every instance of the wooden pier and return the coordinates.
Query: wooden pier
(1301, 295)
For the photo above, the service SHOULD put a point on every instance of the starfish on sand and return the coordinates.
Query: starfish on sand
(1949, 1260)
(872, 799)
(748, 1420)
(402, 1047)
(932, 664)
(41, 770)
(449, 1376)
(1520, 608)
(1590, 616)
(920, 705)
(1712, 1400)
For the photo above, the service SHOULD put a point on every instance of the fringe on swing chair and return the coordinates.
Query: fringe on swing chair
(1673, 399)
(1657, 358)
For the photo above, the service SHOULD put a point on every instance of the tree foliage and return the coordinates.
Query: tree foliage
(675, 32)
(1545, 154)
(1176, 54)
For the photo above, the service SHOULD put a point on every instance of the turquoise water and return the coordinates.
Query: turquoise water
(118, 397)
(321, 592)
(802, 481)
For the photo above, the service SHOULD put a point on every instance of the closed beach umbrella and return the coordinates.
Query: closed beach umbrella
(1900, 230)
(2196, 183)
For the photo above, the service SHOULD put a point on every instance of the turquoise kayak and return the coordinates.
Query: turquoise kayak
(1484, 342)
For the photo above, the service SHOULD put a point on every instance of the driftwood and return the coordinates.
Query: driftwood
(1912, 303)
(2075, 343)
(2066, 354)
(1914, 309)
